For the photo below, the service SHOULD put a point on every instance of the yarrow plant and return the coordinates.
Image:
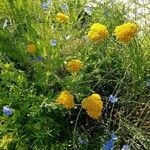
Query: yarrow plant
(62, 18)
(125, 32)
(31, 49)
(66, 99)
(59, 63)
(97, 32)
(93, 105)
(74, 65)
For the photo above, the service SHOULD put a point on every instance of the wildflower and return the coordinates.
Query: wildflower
(113, 99)
(64, 7)
(62, 18)
(7, 111)
(31, 49)
(81, 141)
(93, 105)
(125, 32)
(74, 65)
(109, 145)
(125, 147)
(97, 32)
(66, 99)
(54, 42)
(44, 5)
(40, 58)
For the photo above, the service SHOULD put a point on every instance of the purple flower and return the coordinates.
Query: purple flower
(113, 99)
(7, 111)
(54, 42)
(44, 6)
(125, 147)
(109, 145)
(40, 58)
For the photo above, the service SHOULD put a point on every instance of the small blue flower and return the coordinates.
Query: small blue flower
(40, 58)
(64, 7)
(54, 42)
(113, 99)
(109, 145)
(81, 141)
(113, 137)
(44, 6)
(7, 111)
(148, 83)
(5, 24)
(125, 147)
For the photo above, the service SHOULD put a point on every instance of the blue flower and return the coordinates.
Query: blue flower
(109, 145)
(113, 137)
(125, 147)
(113, 99)
(40, 58)
(81, 141)
(7, 111)
(44, 6)
(54, 42)
(64, 7)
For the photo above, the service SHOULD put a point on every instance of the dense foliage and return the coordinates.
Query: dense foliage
(70, 79)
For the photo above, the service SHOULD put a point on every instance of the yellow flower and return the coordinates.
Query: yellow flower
(74, 65)
(97, 32)
(62, 18)
(93, 105)
(66, 99)
(31, 49)
(125, 32)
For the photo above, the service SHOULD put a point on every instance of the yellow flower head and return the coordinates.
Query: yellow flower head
(62, 18)
(31, 49)
(97, 32)
(66, 99)
(93, 105)
(124, 33)
(74, 65)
